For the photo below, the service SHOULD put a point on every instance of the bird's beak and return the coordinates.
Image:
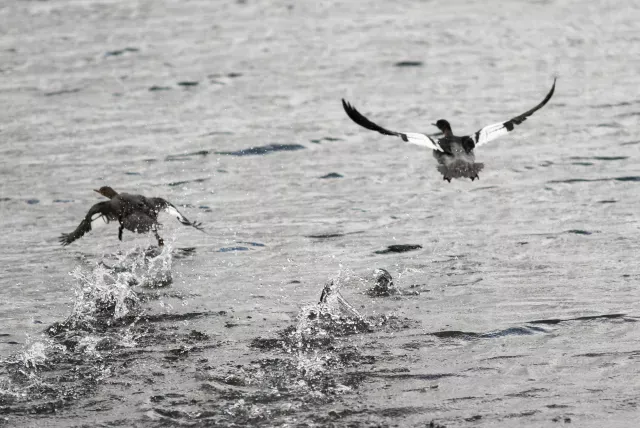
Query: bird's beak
(97, 191)
(434, 125)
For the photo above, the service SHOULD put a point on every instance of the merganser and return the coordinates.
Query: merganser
(136, 213)
(454, 154)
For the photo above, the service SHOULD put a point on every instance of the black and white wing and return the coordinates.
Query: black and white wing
(410, 137)
(168, 207)
(491, 132)
(100, 211)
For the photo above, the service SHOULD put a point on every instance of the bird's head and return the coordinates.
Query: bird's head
(443, 126)
(107, 192)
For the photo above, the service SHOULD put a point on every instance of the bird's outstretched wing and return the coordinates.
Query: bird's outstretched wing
(162, 204)
(491, 132)
(410, 137)
(101, 210)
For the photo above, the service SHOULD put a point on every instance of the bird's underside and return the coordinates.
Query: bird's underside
(460, 169)
(457, 162)
(140, 223)
(454, 154)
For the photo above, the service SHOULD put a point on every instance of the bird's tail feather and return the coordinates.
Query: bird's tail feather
(461, 169)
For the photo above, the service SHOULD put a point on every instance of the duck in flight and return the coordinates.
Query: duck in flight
(134, 212)
(454, 154)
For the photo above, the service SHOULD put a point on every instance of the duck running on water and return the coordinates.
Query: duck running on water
(136, 213)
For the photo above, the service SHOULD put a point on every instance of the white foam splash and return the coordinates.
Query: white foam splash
(148, 267)
(103, 292)
(33, 355)
(332, 316)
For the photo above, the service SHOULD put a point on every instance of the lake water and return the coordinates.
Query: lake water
(518, 308)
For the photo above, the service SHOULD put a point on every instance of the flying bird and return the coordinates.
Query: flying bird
(454, 154)
(136, 213)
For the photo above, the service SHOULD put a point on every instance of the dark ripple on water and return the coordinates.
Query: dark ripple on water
(180, 183)
(331, 235)
(332, 175)
(119, 52)
(184, 156)
(603, 158)
(531, 328)
(586, 180)
(62, 92)
(320, 140)
(399, 248)
(251, 151)
(232, 249)
(263, 150)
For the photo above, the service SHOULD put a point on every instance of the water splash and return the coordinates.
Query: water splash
(33, 356)
(148, 266)
(317, 325)
(21, 378)
(383, 284)
(103, 298)
(81, 348)
(316, 354)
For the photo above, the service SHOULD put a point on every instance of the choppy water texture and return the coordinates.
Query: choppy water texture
(513, 301)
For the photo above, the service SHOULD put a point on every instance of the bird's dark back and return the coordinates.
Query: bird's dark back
(445, 143)
(130, 204)
(466, 142)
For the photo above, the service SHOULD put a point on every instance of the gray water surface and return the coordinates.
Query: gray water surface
(519, 309)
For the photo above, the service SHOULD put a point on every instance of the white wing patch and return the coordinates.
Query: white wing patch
(421, 140)
(174, 212)
(490, 132)
(171, 210)
(95, 220)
